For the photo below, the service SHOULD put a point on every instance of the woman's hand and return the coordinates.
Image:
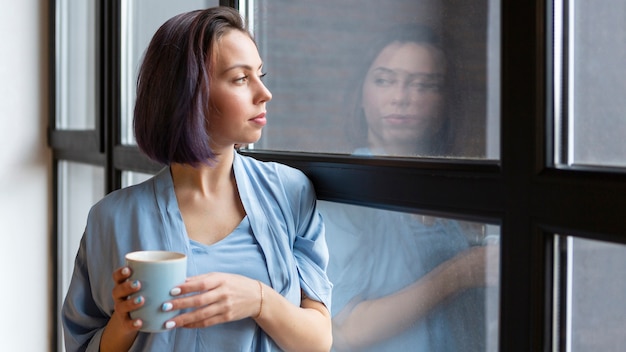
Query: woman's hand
(121, 330)
(215, 298)
(123, 303)
(475, 267)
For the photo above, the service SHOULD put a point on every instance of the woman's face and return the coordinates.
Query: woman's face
(237, 96)
(403, 98)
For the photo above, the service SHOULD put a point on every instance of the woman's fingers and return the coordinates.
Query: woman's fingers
(214, 298)
(207, 308)
(124, 287)
(124, 301)
(125, 307)
(203, 316)
(121, 274)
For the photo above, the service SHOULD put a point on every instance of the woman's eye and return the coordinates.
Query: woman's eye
(383, 82)
(262, 75)
(427, 86)
(241, 79)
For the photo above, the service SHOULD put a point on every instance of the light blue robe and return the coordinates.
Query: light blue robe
(281, 205)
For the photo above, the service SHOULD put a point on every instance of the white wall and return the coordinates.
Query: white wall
(25, 178)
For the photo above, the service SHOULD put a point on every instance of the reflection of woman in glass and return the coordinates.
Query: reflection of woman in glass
(399, 107)
(404, 282)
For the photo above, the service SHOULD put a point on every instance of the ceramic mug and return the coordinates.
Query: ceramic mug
(158, 272)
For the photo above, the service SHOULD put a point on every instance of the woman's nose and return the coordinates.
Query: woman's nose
(401, 95)
(263, 95)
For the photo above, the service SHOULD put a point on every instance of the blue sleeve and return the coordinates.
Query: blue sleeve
(309, 248)
(289, 228)
(83, 321)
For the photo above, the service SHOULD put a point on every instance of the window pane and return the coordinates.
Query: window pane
(407, 282)
(130, 178)
(140, 20)
(597, 83)
(340, 87)
(80, 186)
(76, 64)
(592, 301)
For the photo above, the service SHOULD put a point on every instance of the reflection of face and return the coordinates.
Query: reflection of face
(403, 98)
(237, 95)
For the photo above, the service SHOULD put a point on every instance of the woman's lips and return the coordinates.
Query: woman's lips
(400, 119)
(259, 119)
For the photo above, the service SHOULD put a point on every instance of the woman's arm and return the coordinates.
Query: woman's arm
(304, 328)
(221, 297)
(86, 324)
(375, 320)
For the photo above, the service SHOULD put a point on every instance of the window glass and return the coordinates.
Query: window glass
(80, 186)
(75, 64)
(398, 77)
(403, 279)
(130, 178)
(140, 20)
(595, 83)
(592, 286)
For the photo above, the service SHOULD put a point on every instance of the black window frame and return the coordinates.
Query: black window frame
(523, 192)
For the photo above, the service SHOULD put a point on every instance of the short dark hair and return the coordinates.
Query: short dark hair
(171, 110)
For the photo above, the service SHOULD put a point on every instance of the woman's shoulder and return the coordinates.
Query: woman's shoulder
(276, 180)
(271, 169)
(125, 199)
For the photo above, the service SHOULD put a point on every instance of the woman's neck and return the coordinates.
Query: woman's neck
(204, 178)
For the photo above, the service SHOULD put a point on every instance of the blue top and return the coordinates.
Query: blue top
(241, 335)
(375, 253)
(286, 229)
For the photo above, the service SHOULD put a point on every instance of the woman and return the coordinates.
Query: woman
(254, 240)
(405, 282)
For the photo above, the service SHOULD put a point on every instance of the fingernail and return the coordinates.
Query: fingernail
(135, 284)
(170, 324)
(138, 299)
(175, 291)
(137, 323)
(126, 271)
(167, 306)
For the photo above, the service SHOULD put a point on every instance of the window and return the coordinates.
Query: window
(79, 187)
(590, 82)
(535, 146)
(316, 70)
(589, 294)
(76, 65)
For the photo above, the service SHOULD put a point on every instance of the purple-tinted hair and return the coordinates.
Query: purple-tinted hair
(171, 110)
